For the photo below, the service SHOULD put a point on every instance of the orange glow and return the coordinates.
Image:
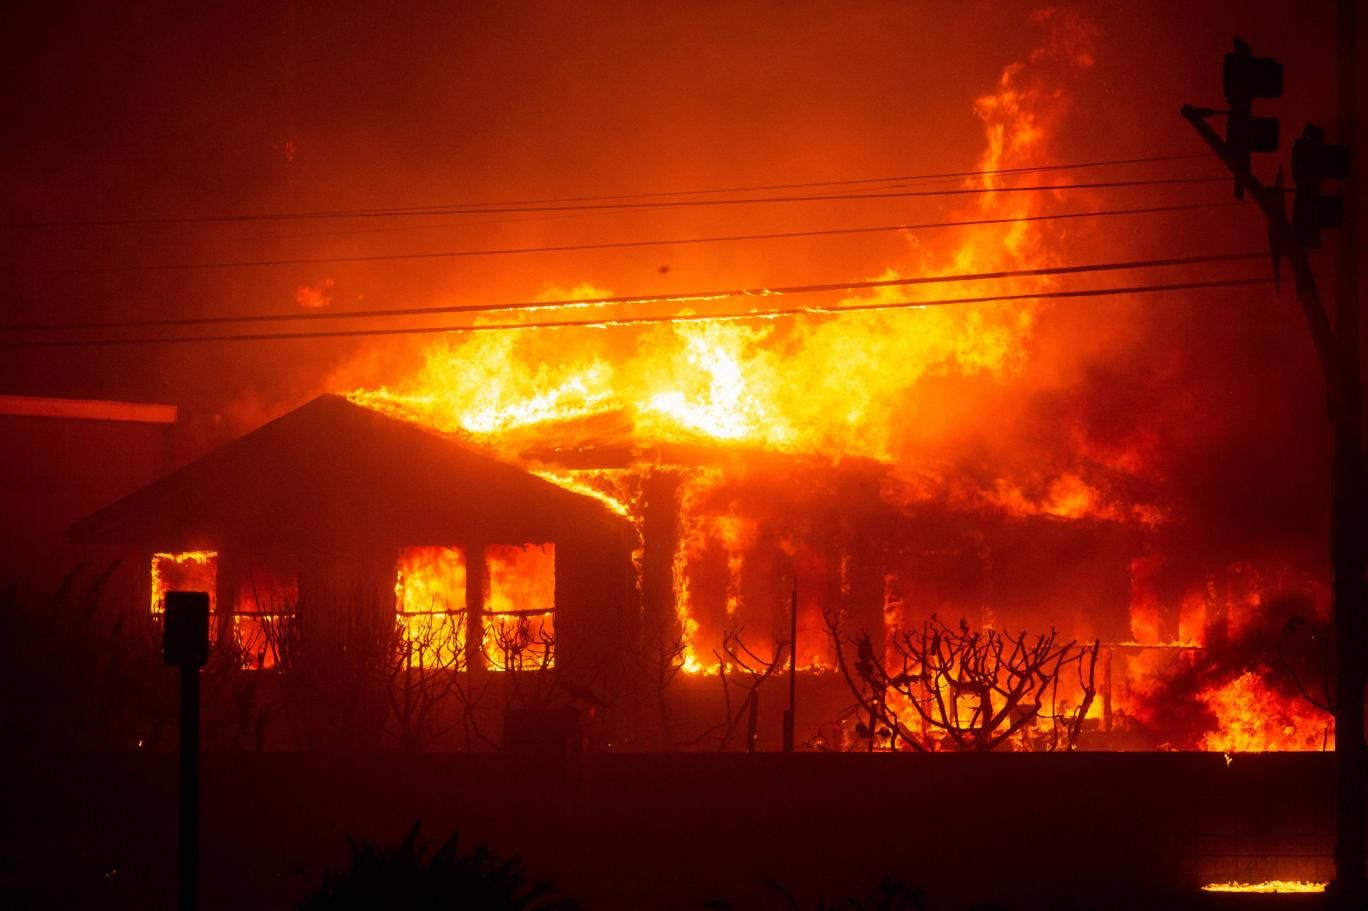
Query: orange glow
(315, 296)
(521, 578)
(267, 598)
(254, 641)
(431, 580)
(691, 521)
(264, 590)
(1069, 496)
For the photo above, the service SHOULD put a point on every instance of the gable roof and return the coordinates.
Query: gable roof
(332, 471)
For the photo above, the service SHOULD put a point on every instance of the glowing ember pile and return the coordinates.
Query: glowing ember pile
(1271, 886)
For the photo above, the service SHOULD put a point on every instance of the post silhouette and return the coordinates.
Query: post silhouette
(186, 646)
(789, 713)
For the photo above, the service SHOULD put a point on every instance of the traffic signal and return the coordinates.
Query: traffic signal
(1244, 78)
(1314, 160)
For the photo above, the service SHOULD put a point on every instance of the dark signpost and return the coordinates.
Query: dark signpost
(790, 714)
(185, 645)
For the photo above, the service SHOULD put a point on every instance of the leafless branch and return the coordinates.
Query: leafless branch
(968, 689)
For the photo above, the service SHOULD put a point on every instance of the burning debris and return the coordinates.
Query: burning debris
(1272, 886)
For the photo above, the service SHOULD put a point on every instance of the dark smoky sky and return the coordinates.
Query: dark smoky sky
(153, 110)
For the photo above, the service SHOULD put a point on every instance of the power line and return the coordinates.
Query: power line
(893, 181)
(617, 245)
(789, 186)
(676, 297)
(698, 192)
(648, 320)
(603, 206)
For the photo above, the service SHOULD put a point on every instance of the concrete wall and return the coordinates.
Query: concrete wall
(646, 831)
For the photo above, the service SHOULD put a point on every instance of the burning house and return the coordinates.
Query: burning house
(337, 526)
(766, 510)
(669, 500)
(575, 411)
(658, 591)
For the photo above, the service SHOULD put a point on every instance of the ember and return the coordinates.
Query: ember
(1271, 886)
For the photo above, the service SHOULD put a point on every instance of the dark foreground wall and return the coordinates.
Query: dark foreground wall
(643, 831)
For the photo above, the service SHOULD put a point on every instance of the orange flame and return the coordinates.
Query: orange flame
(1254, 717)
(191, 570)
(830, 385)
(520, 629)
(1269, 886)
(430, 599)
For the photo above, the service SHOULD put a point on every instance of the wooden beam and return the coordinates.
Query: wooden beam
(87, 409)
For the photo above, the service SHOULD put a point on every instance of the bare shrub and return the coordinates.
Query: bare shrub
(940, 687)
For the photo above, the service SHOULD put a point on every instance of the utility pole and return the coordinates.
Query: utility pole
(1348, 544)
(789, 713)
(1337, 347)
